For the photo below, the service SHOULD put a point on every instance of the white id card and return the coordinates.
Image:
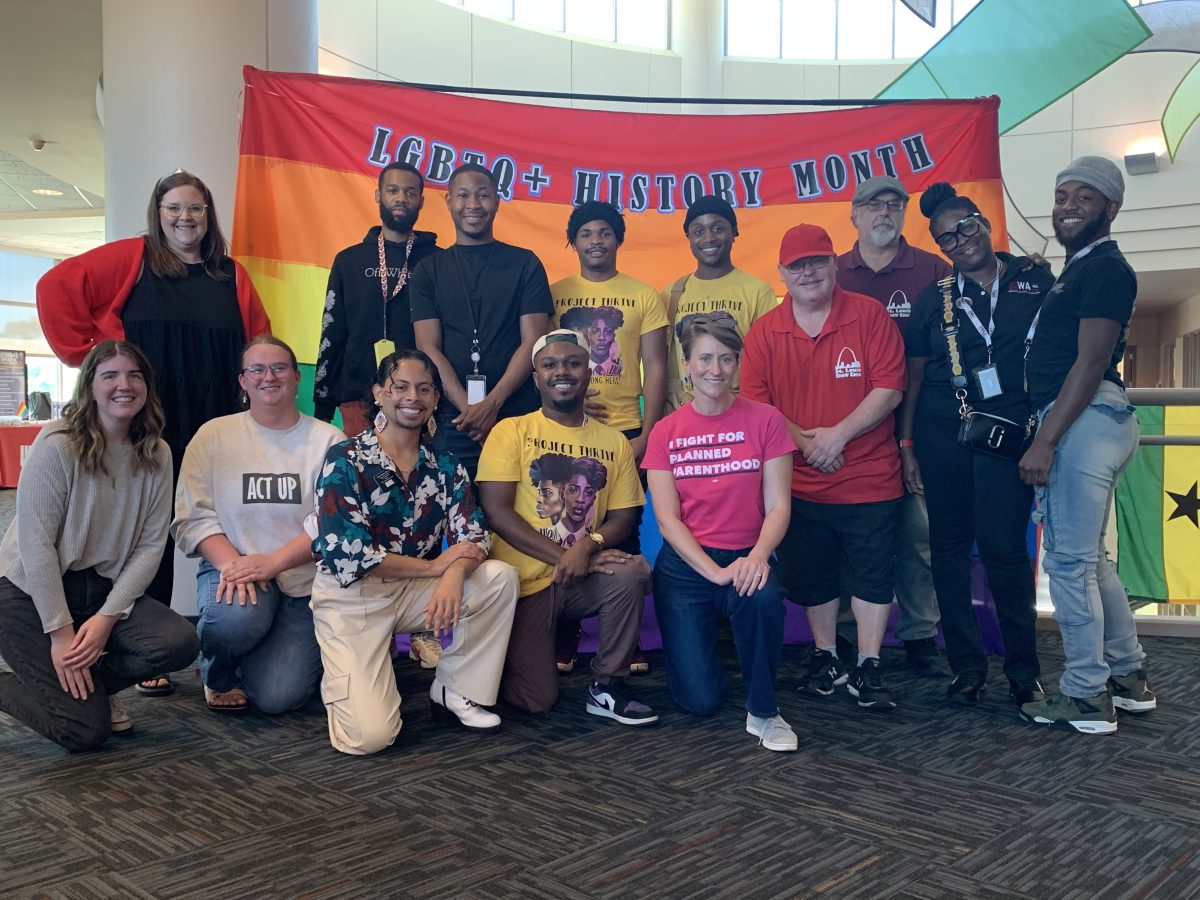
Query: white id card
(476, 389)
(987, 379)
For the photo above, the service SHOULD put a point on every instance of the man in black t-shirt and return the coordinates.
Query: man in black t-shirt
(1087, 435)
(477, 310)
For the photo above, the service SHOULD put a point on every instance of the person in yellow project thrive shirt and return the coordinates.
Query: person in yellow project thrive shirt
(716, 289)
(626, 328)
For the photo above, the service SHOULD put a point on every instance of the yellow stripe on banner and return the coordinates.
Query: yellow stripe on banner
(294, 296)
(1181, 508)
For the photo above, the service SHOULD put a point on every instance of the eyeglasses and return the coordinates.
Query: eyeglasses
(878, 205)
(816, 263)
(195, 210)
(399, 390)
(964, 228)
(260, 372)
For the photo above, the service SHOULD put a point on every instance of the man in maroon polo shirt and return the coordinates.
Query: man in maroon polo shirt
(883, 265)
(833, 363)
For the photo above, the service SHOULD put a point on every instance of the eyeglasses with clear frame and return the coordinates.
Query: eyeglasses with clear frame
(195, 210)
(816, 263)
(259, 372)
(890, 205)
(963, 228)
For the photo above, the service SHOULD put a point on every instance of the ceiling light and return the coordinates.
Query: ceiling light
(47, 192)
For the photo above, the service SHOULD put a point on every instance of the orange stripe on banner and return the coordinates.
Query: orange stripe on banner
(299, 213)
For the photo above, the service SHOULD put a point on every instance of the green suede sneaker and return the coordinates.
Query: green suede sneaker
(1088, 715)
(1131, 692)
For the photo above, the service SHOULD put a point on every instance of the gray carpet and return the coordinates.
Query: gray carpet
(923, 802)
(926, 801)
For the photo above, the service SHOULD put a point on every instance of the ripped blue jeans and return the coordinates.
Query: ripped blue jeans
(1090, 603)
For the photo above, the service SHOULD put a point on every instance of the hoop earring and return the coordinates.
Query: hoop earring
(380, 422)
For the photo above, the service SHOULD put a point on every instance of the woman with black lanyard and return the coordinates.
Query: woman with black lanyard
(966, 346)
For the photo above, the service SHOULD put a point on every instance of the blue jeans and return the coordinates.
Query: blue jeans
(1090, 604)
(271, 644)
(687, 606)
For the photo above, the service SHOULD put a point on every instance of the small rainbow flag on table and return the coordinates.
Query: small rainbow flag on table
(22, 409)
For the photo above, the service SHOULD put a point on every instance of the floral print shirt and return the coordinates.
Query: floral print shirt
(365, 510)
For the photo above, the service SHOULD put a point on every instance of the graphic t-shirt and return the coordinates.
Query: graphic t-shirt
(567, 480)
(614, 315)
(717, 464)
(738, 297)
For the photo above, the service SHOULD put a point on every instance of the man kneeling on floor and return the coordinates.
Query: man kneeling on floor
(561, 490)
(385, 500)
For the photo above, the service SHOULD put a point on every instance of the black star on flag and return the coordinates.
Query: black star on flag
(1186, 505)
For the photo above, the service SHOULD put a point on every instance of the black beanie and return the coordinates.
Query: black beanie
(708, 204)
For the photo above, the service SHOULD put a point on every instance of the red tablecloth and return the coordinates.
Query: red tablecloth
(14, 439)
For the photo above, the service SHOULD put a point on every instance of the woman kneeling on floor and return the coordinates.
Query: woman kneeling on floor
(245, 488)
(93, 504)
(721, 522)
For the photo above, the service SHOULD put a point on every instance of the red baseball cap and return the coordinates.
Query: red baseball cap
(803, 241)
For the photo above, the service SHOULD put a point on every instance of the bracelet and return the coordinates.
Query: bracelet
(905, 442)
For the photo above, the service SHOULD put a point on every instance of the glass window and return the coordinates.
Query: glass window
(865, 29)
(913, 36)
(809, 29)
(961, 8)
(643, 23)
(542, 13)
(752, 28)
(592, 18)
(497, 9)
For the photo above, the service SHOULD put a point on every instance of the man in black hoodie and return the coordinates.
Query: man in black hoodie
(366, 304)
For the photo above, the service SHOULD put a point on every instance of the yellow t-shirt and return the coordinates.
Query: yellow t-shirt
(567, 480)
(742, 297)
(614, 315)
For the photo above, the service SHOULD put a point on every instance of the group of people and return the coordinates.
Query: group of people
(502, 431)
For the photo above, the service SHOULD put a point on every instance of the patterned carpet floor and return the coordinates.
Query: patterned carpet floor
(926, 801)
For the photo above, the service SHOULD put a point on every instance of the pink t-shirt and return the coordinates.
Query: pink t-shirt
(717, 463)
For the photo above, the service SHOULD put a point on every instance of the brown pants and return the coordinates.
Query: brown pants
(530, 680)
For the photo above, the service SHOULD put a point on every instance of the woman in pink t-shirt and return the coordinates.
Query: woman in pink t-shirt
(719, 469)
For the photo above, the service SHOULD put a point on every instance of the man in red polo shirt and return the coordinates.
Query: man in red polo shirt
(883, 265)
(833, 363)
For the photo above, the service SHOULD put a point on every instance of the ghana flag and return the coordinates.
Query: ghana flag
(1158, 513)
(312, 147)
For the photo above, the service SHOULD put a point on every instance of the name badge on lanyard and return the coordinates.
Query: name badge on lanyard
(987, 377)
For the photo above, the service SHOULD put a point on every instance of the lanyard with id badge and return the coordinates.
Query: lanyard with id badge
(387, 347)
(476, 382)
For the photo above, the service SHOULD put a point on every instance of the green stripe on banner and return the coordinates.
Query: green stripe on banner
(1140, 515)
(304, 401)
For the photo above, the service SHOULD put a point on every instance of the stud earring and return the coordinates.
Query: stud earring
(380, 422)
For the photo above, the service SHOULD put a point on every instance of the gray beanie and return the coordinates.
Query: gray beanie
(1101, 173)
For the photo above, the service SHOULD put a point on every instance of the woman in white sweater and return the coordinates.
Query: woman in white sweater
(245, 488)
(93, 504)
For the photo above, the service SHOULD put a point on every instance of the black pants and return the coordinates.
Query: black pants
(974, 497)
(151, 640)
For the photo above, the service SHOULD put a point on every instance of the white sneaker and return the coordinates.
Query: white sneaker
(122, 722)
(425, 648)
(773, 733)
(446, 705)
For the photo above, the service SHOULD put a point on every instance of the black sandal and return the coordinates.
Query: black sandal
(150, 688)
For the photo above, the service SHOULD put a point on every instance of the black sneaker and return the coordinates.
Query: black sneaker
(967, 689)
(1131, 693)
(1026, 693)
(924, 658)
(825, 672)
(867, 685)
(614, 701)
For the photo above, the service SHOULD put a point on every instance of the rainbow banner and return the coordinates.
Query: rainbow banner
(312, 147)
(1158, 512)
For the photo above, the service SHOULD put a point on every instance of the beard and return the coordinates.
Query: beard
(402, 222)
(883, 234)
(1091, 229)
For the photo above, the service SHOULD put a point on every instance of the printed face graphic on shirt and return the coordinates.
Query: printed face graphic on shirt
(847, 365)
(599, 325)
(567, 488)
